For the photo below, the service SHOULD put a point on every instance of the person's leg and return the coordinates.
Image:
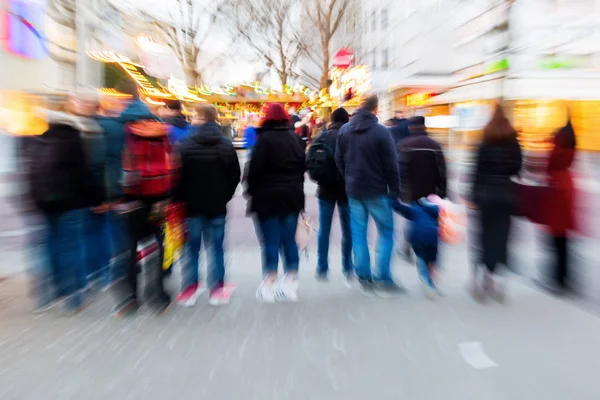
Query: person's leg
(97, 251)
(214, 238)
(423, 269)
(71, 257)
(560, 247)
(287, 229)
(381, 211)
(189, 271)
(358, 221)
(269, 232)
(160, 273)
(344, 213)
(119, 244)
(326, 209)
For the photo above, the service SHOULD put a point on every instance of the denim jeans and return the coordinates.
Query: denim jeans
(213, 232)
(423, 268)
(38, 259)
(97, 247)
(66, 254)
(326, 209)
(279, 233)
(380, 210)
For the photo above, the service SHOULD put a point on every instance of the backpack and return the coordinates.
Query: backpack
(49, 181)
(320, 162)
(149, 160)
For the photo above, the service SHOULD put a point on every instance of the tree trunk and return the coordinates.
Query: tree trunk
(191, 76)
(325, 71)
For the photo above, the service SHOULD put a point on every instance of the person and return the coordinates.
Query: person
(331, 191)
(424, 238)
(302, 130)
(399, 127)
(422, 164)
(177, 124)
(62, 187)
(275, 187)
(493, 193)
(208, 161)
(367, 159)
(149, 169)
(559, 210)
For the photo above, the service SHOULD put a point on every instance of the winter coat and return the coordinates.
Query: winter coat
(210, 172)
(249, 137)
(399, 129)
(336, 192)
(179, 128)
(366, 157)
(422, 167)
(560, 207)
(423, 234)
(72, 141)
(114, 131)
(275, 179)
(496, 165)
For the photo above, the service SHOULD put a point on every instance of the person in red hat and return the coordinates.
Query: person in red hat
(275, 188)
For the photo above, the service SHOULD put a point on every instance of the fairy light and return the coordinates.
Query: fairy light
(155, 103)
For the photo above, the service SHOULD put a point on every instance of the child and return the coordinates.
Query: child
(423, 237)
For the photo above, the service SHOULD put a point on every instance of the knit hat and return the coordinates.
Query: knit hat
(274, 112)
(340, 115)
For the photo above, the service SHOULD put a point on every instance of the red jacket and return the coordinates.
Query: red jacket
(560, 210)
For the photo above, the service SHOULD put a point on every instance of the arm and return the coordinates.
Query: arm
(518, 158)
(389, 159)
(340, 150)
(442, 177)
(257, 164)
(234, 173)
(403, 209)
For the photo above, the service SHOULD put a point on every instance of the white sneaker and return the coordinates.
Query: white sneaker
(287, 289)
(266, 291)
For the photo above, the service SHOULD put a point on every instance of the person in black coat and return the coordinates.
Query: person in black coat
(422, 164)
(275, 187)
(329, 195)
(498, 159)
(210, 173)
(399, 127)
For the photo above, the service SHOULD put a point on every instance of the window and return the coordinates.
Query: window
(384, 18)
(374, 20)
(384, 59)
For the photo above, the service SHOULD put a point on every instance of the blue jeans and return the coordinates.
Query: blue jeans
(97, 247)
(213, 231)
(380, 210)
(423, 268)
(326, 209)
(279, 233)
(66, 253)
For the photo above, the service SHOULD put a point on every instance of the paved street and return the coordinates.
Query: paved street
(333, 344)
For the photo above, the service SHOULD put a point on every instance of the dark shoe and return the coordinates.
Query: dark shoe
(322, 276)
(389, 289)
(126, 308)
(161, 302)
(367, 287)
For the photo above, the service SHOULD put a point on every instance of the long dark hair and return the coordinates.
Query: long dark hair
(499, 129)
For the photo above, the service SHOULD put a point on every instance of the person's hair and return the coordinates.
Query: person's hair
(173, 105)
(129, 87)
(208, 112)
(275, 113)
(370, 102)
(499, 129)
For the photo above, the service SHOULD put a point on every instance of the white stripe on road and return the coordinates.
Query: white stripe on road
(474, 355)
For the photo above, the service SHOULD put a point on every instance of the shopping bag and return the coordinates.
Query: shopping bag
(303, 233)
(451, 221)
(174, 235)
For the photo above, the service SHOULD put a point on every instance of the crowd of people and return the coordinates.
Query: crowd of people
(104, 180)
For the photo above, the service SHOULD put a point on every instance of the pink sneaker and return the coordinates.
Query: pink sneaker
(221, 294)
(188, 296)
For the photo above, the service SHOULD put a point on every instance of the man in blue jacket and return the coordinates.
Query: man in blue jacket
(367, 159)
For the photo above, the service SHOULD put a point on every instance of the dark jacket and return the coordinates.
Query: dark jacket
(399, 129)
(336, 192)
(496, 164)
(422, 167)
(423, 234)
(275, 181)
(366, 157)
(115, 143)
(62, 163)
(210, 172)
(179, 128)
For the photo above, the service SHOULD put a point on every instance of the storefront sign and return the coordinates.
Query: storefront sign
(418, 99)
